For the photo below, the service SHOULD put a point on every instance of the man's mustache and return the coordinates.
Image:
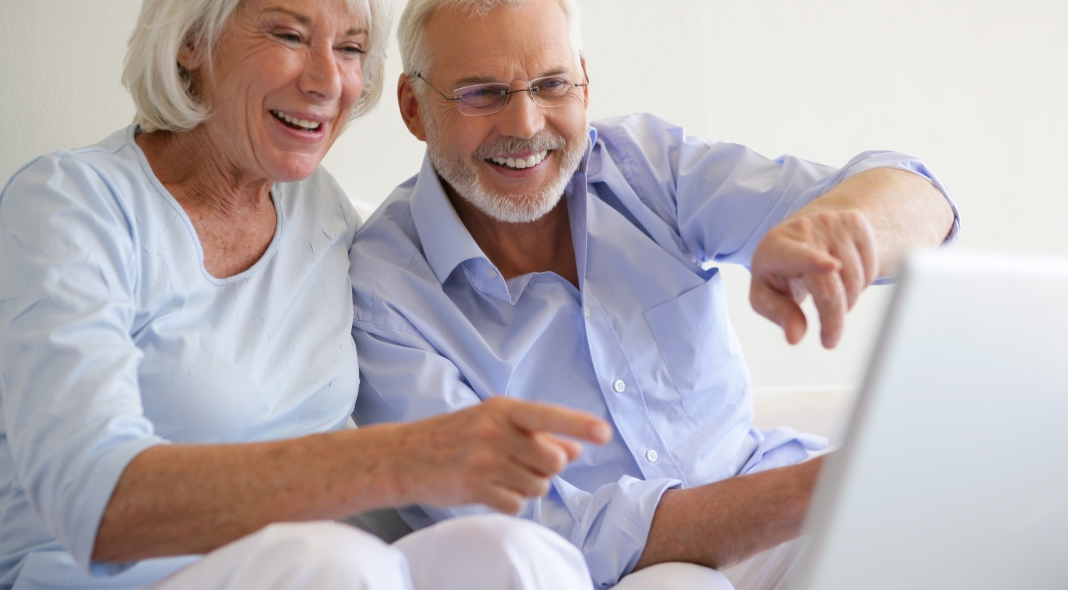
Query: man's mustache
(511, 145)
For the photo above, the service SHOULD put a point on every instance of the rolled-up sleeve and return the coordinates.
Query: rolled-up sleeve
(71, 404)
(721, 198)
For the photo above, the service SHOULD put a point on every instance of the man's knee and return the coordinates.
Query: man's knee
(675, 576)
(493, 551)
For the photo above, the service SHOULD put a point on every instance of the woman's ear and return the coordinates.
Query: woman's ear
(189, 56)
(190, 66)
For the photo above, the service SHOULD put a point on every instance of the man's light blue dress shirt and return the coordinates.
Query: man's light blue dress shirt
(644, 342)
(114, 338)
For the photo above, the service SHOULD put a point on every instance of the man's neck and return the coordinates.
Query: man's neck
(517, 249)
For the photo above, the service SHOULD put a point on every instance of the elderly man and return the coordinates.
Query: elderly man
(540, 257)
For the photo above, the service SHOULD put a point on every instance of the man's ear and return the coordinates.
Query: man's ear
(585, 89)
(410, 107)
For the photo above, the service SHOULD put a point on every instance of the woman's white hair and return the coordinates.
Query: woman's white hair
(161, 87)
(412, 32)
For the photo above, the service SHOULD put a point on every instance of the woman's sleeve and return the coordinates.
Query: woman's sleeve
(71, 403)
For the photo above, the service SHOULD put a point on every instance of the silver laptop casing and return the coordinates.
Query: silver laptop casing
(954, 469)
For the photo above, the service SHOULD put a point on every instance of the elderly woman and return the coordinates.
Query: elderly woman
(176, 364)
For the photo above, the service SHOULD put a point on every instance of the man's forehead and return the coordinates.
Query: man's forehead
(531, 40)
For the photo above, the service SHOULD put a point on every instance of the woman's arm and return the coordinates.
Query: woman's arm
(184, 499)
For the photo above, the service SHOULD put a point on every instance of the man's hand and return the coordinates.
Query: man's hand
(831, 255)
(835, 246)
(496, 453)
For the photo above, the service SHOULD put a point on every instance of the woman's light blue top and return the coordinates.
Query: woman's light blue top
(114, 338)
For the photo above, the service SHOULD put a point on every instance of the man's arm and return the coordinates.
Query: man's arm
(722, 523)
(835, 246)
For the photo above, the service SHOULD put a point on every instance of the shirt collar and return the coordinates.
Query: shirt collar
(446, 241)
(584, 166)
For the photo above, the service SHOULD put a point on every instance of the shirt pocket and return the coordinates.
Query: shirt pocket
(699, 349)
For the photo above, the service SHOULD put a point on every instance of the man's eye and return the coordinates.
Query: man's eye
(481, 97)
(477, 93)
(552, 83)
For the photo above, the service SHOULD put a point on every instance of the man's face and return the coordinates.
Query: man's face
(512, 45)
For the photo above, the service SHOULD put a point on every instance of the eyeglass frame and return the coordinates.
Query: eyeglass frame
(507, 94)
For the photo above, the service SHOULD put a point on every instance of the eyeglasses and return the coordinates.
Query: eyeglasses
(487, 99)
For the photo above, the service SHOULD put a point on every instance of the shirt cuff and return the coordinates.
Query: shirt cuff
(778, 447)
(899, 161)
(610, 526)
(99, 487)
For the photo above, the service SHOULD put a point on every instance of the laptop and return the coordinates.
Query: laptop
(954, 468)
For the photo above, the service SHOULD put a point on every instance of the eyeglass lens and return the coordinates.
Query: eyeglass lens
(551, 91)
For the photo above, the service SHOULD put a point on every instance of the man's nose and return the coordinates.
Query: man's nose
(521, 117)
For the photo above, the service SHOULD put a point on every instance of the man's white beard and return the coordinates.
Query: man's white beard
(463, 176)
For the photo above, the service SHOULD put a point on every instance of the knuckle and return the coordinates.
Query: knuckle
(557, 462)
(486, 429)
(512, 504)
(468, 487)
(483, 458)
(535, 487)
(492, 403)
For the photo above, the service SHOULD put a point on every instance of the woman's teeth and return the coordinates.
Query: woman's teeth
(520, 163)
(295, 122)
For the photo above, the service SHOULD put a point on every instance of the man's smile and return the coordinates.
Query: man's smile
(519, 162)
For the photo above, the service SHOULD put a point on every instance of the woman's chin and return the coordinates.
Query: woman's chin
(293, 167)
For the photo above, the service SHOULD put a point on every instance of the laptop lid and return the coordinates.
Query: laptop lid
(954, 469)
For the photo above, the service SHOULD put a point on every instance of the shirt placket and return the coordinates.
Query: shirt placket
(617, 383)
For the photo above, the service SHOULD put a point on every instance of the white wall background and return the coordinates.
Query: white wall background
(978, 88)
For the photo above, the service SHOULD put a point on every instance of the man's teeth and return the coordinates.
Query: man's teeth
(520, 163)
(309, 125)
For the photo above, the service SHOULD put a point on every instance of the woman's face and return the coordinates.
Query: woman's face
(286, 75)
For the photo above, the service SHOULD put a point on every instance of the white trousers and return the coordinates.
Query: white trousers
(472, 553)
(767, 570)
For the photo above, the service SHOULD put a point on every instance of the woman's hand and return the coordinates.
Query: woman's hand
(496, 453)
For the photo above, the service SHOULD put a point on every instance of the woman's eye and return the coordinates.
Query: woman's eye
(352, 50)
(288, 37)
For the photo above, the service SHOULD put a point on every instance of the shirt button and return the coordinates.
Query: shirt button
(651, 455)
(619, 386)
(586, 311)
(491, 273)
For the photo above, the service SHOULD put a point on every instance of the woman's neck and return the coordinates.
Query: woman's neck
(231, 210)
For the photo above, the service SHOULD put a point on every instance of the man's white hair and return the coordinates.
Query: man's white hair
(412, 32)
(161, 87)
